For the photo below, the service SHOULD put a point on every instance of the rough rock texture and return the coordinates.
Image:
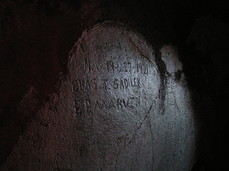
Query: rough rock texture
(36, 36)
(121, 106)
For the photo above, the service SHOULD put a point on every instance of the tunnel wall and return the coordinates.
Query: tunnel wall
(36, 37)
(120, 106)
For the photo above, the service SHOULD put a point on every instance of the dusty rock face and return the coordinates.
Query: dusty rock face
(122, 106)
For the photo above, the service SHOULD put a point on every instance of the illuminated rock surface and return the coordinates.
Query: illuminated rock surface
(122, 106)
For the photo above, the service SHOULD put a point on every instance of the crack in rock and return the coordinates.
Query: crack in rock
(163, 73)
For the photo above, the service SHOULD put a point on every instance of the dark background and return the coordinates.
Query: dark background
(37, 35)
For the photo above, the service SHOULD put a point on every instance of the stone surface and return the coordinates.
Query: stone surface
(122, 106)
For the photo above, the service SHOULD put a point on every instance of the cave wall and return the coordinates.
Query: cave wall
(37, 36)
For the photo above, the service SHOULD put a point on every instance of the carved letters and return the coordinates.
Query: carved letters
(131, 81)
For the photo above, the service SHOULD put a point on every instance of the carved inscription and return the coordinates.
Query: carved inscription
(121, 76)
(109, 76)
(117, 67)
(105, 84)
(107, 104)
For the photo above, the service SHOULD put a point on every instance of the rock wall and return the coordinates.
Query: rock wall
(121, 106)
(36, 37)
